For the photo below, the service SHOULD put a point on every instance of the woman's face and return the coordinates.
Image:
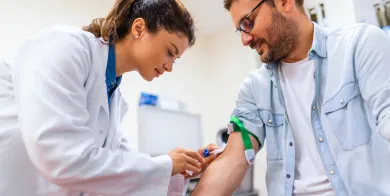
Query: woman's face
(155, 53)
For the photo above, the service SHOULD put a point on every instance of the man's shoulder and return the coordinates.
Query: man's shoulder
(258, 78)
(352, 31)
(353, 38)
(261, 73)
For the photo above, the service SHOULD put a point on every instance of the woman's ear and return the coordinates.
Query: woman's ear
(138, 28)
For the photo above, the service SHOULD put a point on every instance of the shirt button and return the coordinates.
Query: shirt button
(321, 139)
(288, 176)
(270, 121)
(332, 172)
(313, 107)
(291, 143)
(101, 131)
(342, 101)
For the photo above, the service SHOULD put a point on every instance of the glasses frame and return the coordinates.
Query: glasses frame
(246, 18)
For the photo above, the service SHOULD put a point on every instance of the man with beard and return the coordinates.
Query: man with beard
(321, 101)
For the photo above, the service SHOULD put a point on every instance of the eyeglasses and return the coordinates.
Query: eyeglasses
(246, 24)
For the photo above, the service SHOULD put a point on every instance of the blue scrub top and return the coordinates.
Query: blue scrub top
(112, 81)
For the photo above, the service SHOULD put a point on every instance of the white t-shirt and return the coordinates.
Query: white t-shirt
(298, 87)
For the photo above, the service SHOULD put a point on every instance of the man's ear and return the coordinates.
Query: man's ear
(284, 6)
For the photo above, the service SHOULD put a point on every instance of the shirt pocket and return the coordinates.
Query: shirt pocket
(273, 125)
(347, 116)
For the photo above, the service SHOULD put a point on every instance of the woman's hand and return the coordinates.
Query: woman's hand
(207, 160)
(185, 160)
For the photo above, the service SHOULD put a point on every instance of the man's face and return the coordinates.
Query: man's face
(273, 35)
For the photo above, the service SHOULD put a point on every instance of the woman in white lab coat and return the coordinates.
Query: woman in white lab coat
(61, 109)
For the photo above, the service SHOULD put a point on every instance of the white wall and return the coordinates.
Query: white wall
(20, 19)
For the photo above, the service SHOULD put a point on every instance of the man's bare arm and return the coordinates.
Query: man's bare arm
(225, 174)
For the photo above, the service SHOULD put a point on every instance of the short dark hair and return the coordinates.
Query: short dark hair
(228, 3)
(170, 15)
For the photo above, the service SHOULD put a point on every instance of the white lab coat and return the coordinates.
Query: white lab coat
(54, 118)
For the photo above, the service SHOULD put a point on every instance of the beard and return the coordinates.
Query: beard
(283, 36)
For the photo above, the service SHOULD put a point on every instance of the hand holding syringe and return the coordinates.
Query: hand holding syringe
(211, 149)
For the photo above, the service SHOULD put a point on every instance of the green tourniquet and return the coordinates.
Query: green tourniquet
(238, 126)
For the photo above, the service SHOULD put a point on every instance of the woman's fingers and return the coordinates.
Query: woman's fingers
(184, 173)
(193, 162)
(213, 147)
(210, 148)
(192, 168)
(195, 156)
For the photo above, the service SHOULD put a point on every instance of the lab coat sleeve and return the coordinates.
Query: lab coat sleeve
(178, 186)
(49, 82)
(372, 64)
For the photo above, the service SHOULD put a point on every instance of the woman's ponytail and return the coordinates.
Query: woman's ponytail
(106, 27)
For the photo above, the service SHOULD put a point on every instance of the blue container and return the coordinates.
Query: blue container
(148, 99)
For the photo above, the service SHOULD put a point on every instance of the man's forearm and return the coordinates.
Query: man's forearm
(222, 177)
(225, 174)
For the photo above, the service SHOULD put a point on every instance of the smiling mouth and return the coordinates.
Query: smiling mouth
(157, 73)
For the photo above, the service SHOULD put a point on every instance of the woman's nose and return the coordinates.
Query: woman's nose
(168, 66)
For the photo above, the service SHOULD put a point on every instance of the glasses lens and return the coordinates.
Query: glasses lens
(246, 25)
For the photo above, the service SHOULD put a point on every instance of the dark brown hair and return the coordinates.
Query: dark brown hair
(228, 3)
(170, 15)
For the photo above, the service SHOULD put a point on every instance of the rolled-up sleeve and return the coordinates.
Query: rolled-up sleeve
(246, 111)
(372, 61)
